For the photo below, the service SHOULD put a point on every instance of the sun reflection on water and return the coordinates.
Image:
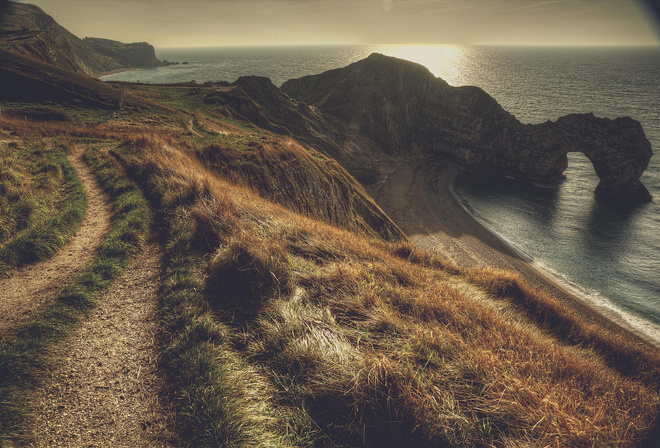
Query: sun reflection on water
(444, 61)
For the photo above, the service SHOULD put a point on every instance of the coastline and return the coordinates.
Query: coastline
(421, 199)
(101, 75)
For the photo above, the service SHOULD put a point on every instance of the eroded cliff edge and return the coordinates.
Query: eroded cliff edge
(406, 110)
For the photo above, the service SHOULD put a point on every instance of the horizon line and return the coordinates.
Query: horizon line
(580, 45)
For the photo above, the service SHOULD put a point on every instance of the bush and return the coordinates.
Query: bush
(246, 273)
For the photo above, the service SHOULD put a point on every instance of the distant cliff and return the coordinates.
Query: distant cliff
(139, 54)
(407, 111)
(29, 31)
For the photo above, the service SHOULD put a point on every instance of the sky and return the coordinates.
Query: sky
(187, 23)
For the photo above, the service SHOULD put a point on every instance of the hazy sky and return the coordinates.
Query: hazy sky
(169, 23)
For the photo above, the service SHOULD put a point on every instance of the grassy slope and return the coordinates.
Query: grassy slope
(279, 328)
(352, 342)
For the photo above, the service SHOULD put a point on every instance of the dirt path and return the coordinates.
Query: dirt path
(190, 127)
(217, 127)
(105, 390)
(35, 285)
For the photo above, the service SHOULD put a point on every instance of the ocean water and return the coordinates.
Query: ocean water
(609, 253)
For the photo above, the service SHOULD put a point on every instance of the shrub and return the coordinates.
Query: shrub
(246, 273)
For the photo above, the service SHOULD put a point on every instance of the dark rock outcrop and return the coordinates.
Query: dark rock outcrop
(29, 31)
(406, 110)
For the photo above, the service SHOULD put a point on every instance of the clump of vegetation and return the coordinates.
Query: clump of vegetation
(245, 273)
(43, 202)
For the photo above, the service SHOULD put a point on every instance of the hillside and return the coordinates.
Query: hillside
(24, 78)
(201, 265)
(291, 311)
(138, 54)
(29, 31)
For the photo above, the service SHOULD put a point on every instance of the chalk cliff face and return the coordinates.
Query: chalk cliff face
(406, 110)
(29, 31)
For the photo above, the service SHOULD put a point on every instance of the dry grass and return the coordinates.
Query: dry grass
(288, 319)
(302, 180)
(356, 342)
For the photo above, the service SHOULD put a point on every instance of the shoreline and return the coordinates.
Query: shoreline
(113, 72)
(421, 199)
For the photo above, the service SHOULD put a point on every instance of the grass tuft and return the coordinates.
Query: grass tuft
(245, 273)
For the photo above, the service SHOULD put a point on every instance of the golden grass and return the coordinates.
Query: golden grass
(288, 320)
(283, 171)
(358, 342)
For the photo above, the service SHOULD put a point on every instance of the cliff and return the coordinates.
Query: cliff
(406, 110)
(29, 31)
(139, 54)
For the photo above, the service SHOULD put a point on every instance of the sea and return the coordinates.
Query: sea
(608, 253)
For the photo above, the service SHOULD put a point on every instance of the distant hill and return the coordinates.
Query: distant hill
(28, 30)
(138, 54)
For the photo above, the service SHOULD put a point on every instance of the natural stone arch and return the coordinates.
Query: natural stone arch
(617, 149)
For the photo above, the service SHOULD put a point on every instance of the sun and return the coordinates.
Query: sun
(442, 60)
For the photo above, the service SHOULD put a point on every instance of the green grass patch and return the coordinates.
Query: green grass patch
(188, 98)
(43, 205)
(53, 112)
(221, 399)
(22, 355)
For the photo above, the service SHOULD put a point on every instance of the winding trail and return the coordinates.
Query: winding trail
(33, 286)
(105, 390)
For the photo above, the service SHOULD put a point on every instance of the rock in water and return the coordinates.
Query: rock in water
(406, 110)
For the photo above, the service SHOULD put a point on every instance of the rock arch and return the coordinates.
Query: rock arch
(407, 111)
(617, 149)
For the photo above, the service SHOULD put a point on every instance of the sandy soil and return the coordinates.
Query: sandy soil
(35, 285)
(105, 391)
(113, 72)
(420, 199)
